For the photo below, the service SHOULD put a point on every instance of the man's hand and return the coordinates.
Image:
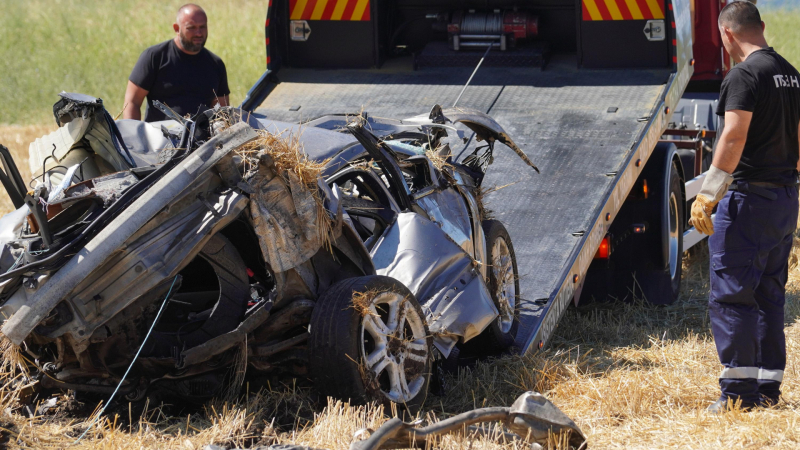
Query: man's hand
(714, 188)
(701, 214)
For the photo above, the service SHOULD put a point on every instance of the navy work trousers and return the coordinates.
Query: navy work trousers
(749, 256)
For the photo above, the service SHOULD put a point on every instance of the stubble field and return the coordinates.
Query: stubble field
(630, 375)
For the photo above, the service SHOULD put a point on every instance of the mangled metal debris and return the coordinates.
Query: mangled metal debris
(286, 217)
(255, 236)
(532, 418)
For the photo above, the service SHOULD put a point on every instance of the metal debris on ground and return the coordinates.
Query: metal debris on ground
(532, 418)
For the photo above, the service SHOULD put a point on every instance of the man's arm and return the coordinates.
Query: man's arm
(718, 177)
(134, 97)
(731, 141)
(798, 139)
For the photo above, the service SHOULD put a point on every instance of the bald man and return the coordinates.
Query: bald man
(181, 72)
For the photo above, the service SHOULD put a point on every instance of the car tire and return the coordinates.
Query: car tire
(503, 284)
(358, 345)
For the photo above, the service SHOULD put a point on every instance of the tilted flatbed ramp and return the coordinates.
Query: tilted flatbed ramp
(561, 117)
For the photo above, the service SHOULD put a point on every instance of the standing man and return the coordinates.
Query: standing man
(754, 179)
(181, 72)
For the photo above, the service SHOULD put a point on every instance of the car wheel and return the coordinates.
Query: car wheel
(369, 342)
(503, 284)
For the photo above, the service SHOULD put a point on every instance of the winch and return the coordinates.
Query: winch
(476, 29)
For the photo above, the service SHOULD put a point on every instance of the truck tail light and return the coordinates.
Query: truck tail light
(604, 251)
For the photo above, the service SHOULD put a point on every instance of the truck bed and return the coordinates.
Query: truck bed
(561, 117)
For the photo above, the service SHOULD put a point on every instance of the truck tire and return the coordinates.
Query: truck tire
(503, 283)
(662, 286)
(369, 341)
(649, 264)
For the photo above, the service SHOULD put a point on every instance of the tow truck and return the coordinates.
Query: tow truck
(612, 99)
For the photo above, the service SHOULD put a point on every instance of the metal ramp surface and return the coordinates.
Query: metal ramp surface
(561, 117)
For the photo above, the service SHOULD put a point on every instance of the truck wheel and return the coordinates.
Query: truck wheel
(649, 264)
(369, 342)
(503, 284)
(664, 285)
(675, 212)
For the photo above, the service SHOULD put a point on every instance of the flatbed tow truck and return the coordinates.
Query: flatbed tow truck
(591, 90)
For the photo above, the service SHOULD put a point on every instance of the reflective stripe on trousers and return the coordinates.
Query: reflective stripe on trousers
(752, 372)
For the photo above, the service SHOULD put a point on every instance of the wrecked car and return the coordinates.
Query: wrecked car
(349, 250)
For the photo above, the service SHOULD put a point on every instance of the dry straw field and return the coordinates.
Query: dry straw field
(630, 375)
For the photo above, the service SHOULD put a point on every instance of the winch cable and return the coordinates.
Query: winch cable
(131, 364)
(473, 74)
(465, 88)
(482, 24)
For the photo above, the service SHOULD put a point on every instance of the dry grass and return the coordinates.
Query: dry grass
(292, 165)
(17, 138)
(363, 300)
(287, 153)
(630, 375)
(482, 199)
(438, 160)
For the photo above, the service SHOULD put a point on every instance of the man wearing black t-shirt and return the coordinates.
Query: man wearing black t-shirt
(753, 177)
(180, 72)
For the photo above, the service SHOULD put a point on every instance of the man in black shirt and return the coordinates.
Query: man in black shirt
(180, 72)
(753, 177)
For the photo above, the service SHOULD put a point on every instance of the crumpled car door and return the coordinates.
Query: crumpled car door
(442, 276)
(416, 251)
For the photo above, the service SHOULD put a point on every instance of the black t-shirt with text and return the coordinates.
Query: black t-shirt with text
(769, 87)
(181, 81)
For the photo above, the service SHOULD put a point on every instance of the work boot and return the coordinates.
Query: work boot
(718, 407)
(721, 406)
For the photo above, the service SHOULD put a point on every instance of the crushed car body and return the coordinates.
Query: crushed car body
(350, 250)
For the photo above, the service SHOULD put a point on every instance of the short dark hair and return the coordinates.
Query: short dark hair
(741, 16)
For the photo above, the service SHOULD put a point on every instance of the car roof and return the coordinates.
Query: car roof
(318, 143)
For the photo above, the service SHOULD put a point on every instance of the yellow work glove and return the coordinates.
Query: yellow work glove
(701, 214)
(714, 187)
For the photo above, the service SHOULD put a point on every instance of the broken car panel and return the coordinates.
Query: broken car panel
(241, 230)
